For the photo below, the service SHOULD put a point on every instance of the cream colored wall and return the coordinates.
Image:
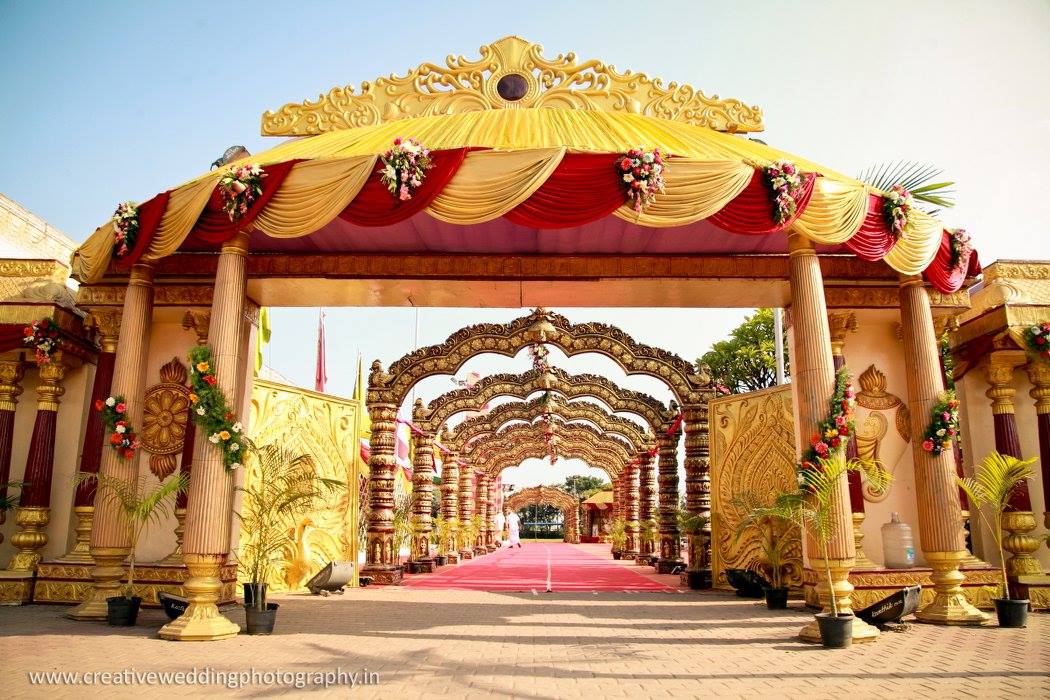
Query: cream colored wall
(979, 439)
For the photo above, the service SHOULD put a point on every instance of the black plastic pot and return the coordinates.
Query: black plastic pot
(1011, 613)
(836, 632)
(777, 598)
(697, 580)
(174, 605)
(122, 611)
(616, 555)
(254, 594)
(440, 560)
(261, 621)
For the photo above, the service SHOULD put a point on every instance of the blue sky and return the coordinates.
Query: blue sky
(107, 101)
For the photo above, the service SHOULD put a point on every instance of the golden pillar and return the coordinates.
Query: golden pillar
(449, 504)
(647, 494)
(936, 489)
(631, 486)
(487, 516)
(494, 536)
(482, 508)
(422, 499)
(207, 533)
(813, 380)
(11, 373)
(667, 477)
(698, 486)
(382, 560)
(110, 530)
(1039, 374)
(466, 508)
(1019, 519)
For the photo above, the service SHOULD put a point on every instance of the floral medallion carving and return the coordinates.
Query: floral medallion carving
(164, 417)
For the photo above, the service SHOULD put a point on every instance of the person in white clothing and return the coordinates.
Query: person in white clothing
(512, 527)
(501, 523)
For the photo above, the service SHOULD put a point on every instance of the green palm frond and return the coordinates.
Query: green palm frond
(995, 479)
(10, 500)
(921, 179)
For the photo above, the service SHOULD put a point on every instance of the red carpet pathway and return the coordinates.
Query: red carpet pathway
(540, 567)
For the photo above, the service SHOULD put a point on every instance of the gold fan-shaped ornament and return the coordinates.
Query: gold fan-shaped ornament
(165, 416)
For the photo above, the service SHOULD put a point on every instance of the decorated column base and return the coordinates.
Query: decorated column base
(1036, 589)
(491, 547)
(480, 550)
(466, 554)
(841, 588)
(202, 621)
(949, 606)
(16, 587)
(384, 574)
(423, 566)
(176, 555)
(452, 557)
(669, 566)
(863, 561)
(31, 538)
(107, 573)
(80, 552)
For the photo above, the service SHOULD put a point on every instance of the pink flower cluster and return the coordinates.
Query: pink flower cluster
(642, 173)
(539, 354)
(405, 167)
(122, 437)
(896, 206)
(239, 187)
(961, 247)
(43, 337)
(944, 425)
(125, 228)
(785, 181)
(1038, 339)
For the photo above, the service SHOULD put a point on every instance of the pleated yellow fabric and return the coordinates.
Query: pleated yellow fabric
(91, 259)
(916, 248)
(835, 212)
(491, 183)
(184, 208)
(696, 189)
(312, 195)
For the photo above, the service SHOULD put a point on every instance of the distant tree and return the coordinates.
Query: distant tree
(583, 487)
(746, 361)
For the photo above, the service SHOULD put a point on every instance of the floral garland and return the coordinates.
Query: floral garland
(785, 183)
(643, 174)
(239, 187)
(43, 336)
(122, 436)
(125, 228)
(944, 425)
(961, 247)
(405, 167)
(210, 409)
(896, 206)
(834, 431)
(539, 354)
(1037, 338)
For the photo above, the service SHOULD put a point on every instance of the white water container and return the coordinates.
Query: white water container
(898, 546)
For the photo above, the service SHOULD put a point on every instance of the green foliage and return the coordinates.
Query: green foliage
(403, 527)
(284, 488)
(442, 531)
(774, 526)
(746, 361)
(989, 489)
(618, 534)
(468, 532)
(692, 525)
(141, 504)
(211, 411)
(917, 178)
(10, 500)
(583, 487)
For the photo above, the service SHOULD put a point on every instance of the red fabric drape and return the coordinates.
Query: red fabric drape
(214, 225)
(375, 206)
(751, 211)
(150, 214)
(940, 273)
(874, 239)
(11, 336)
(584, 187)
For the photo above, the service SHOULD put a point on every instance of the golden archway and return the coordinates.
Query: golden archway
(510, 446)
(568, 504)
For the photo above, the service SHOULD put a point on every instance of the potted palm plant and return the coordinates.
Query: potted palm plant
(618, 536)
(989, 490)
(647, 532)
(142, 505)
(692, 525)
(774, 525)
(468, 533)
(442, 531)
(478, 528)
(282, 487)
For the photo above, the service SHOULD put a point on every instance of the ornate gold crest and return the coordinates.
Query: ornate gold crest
(164, 418)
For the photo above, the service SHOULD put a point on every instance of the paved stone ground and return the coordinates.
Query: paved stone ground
(472, 644)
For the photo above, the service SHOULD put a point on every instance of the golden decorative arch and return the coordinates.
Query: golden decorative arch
(690, 385)
(460, 437)
(568, 504)
(511, 73)
(432, 416)
(510, 446)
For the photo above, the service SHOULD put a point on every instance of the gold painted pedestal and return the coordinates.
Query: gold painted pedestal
(107, 573)
(202, 621)
(842, 590)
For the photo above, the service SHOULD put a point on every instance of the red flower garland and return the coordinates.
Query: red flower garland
(44, 337)
(122, 436)
(834, 431)
(1037, 339)
(786, 186)
(642, 175)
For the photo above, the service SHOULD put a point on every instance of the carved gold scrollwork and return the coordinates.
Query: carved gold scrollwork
(510, 446)
(164, 418)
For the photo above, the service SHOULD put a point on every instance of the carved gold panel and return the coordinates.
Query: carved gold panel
(325, 427)
(164, 418)
(752, 451)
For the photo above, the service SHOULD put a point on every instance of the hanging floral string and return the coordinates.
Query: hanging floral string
(643, 175)
(785, 184)
(896, 207)
(44, 337)
(944, 424)
(834, 431)
(125, 228)
(210, 409)
(405, 167)
(961, 247)
(239, 187)
(1037, 339)
(539, 354)
(122, 436)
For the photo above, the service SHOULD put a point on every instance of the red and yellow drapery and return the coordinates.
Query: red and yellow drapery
(539, 168)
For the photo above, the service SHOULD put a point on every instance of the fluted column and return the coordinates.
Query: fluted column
(936, 490)
(110, 530)
(466, 508)
(450, 504)
(107, 324)
(813, 381)
(1019, 520)
(670, 536)
(631, 489)
(1039, 374)
(11, 373)
(207, 535)
(698, 486)
(647, 492)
